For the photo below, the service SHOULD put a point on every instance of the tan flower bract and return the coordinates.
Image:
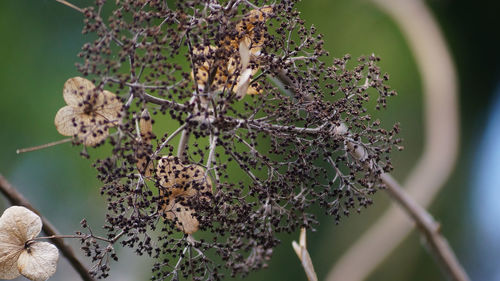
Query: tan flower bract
(180, 183)
(146, 135)
(39, 262)
(89, 112)
(35, 260)
(247, 44)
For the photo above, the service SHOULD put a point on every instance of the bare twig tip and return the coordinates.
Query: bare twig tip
(64, 2)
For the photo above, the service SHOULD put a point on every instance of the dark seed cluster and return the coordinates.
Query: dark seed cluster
(268, 128)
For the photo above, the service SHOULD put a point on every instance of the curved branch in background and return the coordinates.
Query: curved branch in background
(440, 145)
(15, 198)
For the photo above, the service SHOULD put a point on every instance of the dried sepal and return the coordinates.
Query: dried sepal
(144, 164)
(39, 262)
(18, 253)
(89, 112)
(246, 28)
(146, 126)
(179, 183)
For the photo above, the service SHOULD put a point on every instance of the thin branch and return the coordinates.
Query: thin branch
(429, 228)
(159, 101)
(70, 5)
(16, 198)
(33, 148)
(183, 144)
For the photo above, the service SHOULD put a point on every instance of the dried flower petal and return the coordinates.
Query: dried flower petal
(39, 261)
(77, 90)
(146, 135)
(8, 260)
(19, 225)
(180, 183)
(89, 113)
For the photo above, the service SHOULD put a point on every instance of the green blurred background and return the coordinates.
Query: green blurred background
(39, 43)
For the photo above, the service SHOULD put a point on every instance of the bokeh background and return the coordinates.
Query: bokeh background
(38, 47)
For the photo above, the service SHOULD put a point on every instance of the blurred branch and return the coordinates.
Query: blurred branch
(16, 198)
(440, 146)
(429, 228)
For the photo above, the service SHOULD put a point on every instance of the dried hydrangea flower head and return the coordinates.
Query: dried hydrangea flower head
(264, 163)
(180, 183)
(19, 254)
(89, 113)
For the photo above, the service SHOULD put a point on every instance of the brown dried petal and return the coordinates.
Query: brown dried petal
(93, 129)
(146, 126)
(184, 218)
(180, 183)
(182, 180)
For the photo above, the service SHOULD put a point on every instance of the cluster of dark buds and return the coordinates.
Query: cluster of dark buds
(266, 129)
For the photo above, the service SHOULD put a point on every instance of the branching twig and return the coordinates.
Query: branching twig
(438, 244)
(16, 198)
(440, 145)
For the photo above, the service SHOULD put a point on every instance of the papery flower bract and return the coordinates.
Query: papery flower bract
(18, 255)
(246, 29)
(89, 112)
(248, 43)
(144, 164)
(180, 183)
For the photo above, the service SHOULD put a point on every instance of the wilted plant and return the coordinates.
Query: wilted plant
(268, 127)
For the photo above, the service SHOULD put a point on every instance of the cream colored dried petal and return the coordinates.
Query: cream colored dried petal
(244, 54)
(76, 90)
(39, 261)
(20, 224)
(109, 106)
(66, 121)
(9, 253)
(17, 225)
(243, 83)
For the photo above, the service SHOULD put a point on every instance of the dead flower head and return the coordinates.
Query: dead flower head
(180, 183)
(89, 112)
(18, 253)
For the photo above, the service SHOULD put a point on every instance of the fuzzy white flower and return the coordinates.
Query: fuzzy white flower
(19, 254)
